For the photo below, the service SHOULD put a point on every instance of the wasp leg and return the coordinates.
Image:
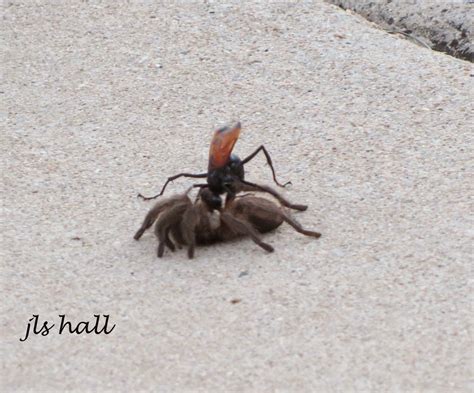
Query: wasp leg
(200, 185)
(170, 179)
(243, 185)
(269, 162)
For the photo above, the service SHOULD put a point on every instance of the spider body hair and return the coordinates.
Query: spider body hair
(186, 223)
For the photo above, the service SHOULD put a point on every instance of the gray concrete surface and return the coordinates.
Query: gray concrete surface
(446, 26)
(103, 100)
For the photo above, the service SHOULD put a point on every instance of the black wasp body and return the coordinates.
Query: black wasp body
(226, 173)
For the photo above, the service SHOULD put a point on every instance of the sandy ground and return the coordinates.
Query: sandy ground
(102, 101)
(447, 26)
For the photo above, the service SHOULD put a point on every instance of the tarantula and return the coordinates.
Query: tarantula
(180, 221)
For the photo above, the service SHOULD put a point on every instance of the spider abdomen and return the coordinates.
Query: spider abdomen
(260, 212)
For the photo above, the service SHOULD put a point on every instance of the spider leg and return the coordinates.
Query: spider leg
(161, 249)
(166, 221)
(156, 210)
(168, 241)
(269, 162)
(200, 186)
(297, 226)
(170, 179)
(161, 231)
(188, 226)
(244, 228)
(152, 215)
(247, 186)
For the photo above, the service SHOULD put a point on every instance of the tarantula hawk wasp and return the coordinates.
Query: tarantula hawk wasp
(226, 172)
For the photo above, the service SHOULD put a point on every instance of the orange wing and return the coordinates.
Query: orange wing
(222, 144)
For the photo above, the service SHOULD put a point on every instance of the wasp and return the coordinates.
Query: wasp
(226, 174)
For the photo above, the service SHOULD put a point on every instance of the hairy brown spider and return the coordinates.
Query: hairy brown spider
(179, 221)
